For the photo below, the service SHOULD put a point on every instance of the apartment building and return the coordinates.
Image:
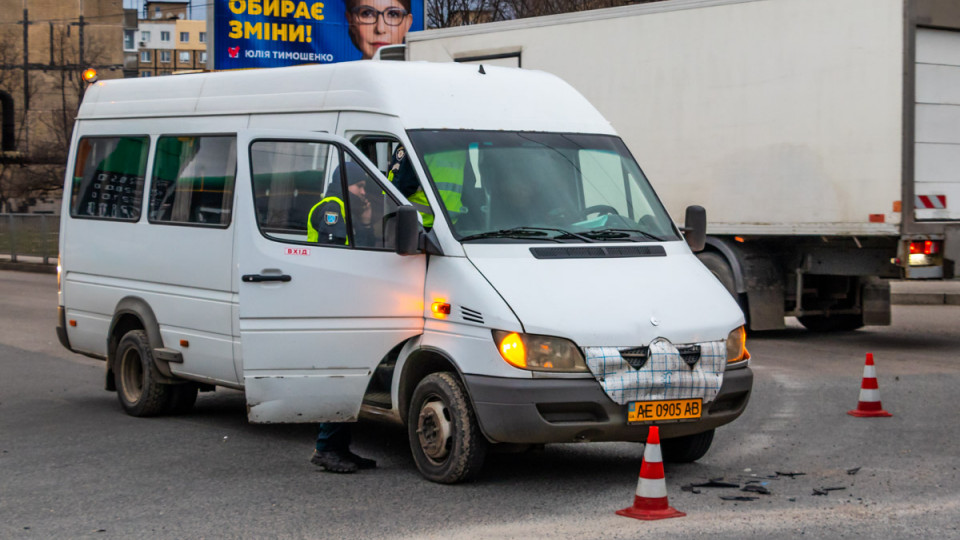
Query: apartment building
(168, 42)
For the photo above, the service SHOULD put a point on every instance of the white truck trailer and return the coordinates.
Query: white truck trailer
(822, 136)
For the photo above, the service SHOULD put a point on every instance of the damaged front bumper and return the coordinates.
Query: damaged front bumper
(536, 411)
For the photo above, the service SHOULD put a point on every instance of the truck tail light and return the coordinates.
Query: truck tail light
(925, 247)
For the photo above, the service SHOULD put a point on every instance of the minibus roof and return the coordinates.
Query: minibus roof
(422, 94)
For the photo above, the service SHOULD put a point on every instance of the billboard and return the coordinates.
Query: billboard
(275, 33)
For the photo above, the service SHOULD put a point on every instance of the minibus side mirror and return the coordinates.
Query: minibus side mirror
(695, 228)
(408, 231)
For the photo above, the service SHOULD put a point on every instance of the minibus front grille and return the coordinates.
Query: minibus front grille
(597, 252)
(690, 354)
(638, 356)
(471, 315)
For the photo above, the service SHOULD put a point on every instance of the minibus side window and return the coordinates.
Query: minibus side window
(371, 209)
(295, 182)
(378, 149)
(108, 178)
(192, 180)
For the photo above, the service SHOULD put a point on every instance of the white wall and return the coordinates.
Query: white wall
(774, 114)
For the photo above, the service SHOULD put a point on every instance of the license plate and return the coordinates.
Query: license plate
(670, 409)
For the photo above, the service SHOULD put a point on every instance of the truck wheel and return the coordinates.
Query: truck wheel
(138, 390)
(836, 323)
(720, 268)
(182, 398)
(444, 437)
(686, 449)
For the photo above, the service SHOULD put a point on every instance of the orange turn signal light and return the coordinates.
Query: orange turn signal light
(89, 75)
(513, 351)
(440, 309)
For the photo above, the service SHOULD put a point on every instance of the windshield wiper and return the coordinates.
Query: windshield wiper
(616, 234)
(525, 232)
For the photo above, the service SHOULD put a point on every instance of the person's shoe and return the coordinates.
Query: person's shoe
(336, 462)
(362, 462)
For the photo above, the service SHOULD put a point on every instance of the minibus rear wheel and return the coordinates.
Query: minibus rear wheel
(445, 439)
(138, 389)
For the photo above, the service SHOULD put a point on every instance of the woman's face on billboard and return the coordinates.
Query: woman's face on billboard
(375, 23)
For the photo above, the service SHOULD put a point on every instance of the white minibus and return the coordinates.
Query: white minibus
(469, 251)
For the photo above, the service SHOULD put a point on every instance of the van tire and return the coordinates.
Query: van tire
(687, 449)
(445, 440)
(182, 398)
(138, 389)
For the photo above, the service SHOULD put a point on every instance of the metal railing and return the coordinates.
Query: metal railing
(29, 235)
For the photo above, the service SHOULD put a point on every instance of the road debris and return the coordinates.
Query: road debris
(738, 498)
(853, 471)
(791, 474)
(691, 489)
(716, 483)
(756, 488)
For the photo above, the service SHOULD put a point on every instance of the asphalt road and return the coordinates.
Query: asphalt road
(72, 464)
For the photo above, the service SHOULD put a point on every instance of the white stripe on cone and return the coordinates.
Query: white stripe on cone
(651, 489)
(869, 395)
(869, 372)
(651, 453)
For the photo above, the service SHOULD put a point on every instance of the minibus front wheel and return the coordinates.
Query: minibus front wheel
(138, 389)
(445, 439)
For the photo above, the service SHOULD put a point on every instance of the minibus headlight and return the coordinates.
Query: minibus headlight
(737, 345)
(539, 353)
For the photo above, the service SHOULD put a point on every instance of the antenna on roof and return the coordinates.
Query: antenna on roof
(482, 72)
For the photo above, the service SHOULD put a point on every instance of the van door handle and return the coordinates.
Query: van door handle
(260, 278)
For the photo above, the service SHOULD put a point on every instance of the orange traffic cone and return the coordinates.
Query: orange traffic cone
(869, 404)
(651, 502)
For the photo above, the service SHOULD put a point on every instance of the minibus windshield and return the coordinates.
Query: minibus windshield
(551, 187)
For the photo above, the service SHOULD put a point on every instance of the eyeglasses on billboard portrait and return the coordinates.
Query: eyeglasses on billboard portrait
(393, 16)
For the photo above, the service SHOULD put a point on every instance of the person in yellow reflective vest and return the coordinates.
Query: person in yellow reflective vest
(446, 168)
(326, 224)
(326, 221)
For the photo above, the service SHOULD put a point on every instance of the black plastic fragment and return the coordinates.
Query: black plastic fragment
(756, 488)
(853, 471)
(738, 498)
(716, 483)
(791, 474)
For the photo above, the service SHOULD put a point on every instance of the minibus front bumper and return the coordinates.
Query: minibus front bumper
(536, 411)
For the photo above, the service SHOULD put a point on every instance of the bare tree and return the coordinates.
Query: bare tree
(12, 182)
(445, 13)
(56, 90)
